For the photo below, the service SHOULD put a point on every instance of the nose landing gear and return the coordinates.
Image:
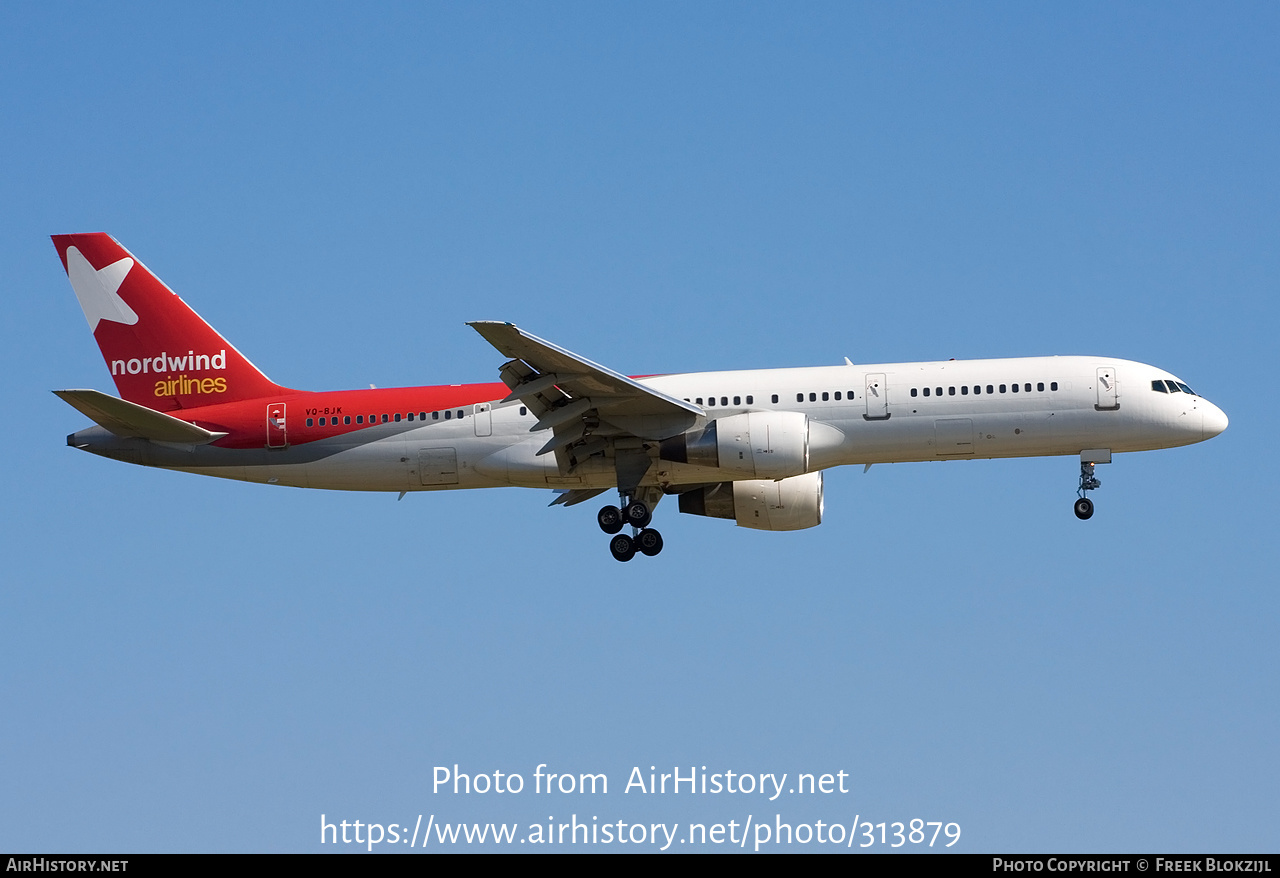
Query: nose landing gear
(1084, 506)
(1088, 481)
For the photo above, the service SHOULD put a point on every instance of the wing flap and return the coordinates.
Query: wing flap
(575, 496)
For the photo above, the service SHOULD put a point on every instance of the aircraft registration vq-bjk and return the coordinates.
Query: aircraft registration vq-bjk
(749, 446)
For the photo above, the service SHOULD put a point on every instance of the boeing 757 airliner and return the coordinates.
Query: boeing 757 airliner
(747, 446)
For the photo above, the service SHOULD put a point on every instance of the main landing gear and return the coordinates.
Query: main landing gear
(637, 515)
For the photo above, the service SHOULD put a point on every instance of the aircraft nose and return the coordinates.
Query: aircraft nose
(1215, 420)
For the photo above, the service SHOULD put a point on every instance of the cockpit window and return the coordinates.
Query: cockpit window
(1173, 387)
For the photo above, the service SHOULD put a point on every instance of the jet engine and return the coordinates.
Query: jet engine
(763, 504)
(771, 445)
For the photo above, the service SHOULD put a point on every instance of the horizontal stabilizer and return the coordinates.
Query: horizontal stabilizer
(129, 419)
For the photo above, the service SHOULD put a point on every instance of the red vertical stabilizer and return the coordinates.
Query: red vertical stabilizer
(160, 353)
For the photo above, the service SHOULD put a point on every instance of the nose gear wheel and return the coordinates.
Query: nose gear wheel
(1088, 482)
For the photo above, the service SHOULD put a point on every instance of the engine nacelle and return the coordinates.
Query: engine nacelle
(770, 445)
(762, 504)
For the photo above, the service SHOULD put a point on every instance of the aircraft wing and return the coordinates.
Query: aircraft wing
(581, 401)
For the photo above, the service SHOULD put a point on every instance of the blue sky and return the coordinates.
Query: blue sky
(198, 665)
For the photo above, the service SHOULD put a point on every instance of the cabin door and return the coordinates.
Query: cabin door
(482, 412)
(1108, 396)
(877, 397)
(277, 434)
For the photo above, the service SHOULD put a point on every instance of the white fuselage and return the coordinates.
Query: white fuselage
(880, 413)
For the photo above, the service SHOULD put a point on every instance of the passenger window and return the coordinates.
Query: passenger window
(309, 423)
(397, 417)
(964, 389)
(410, 416)
(837, 396)
(951, 391)
(813, 397)
(937, 391)
(1014, 388)
(322, 422)
(913, 391)
(1053, 385)
(826, 397)
(737, 400)
(347, 419)
(926, 391)
(991, 389)
(775, 397)
(724, 400)
(1040, 387)
(977, 389)
(459, 413)
(750, 400)
(1003, 388)
(523, 411)
(422, 416)
(1027, 388)
(359, 419)
(435, 416)
(448, 415)
(699, 400)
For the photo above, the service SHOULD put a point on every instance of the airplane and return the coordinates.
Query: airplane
(748, 446)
